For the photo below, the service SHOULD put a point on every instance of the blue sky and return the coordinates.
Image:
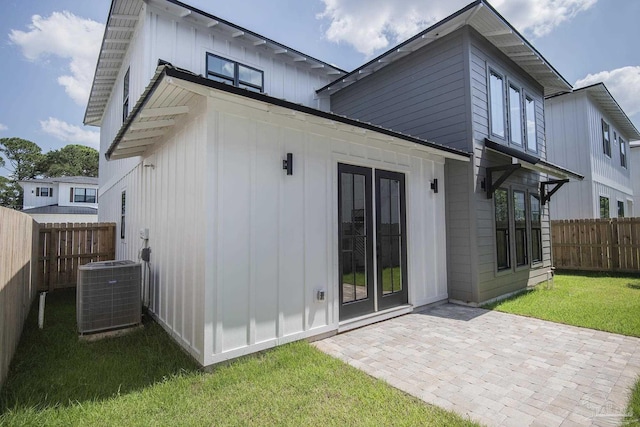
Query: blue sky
(48, 61)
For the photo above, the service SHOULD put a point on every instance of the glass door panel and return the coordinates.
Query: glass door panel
(356, 250)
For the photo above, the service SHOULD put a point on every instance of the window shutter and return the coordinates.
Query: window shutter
(71, 195)
(37, 191)
(50, 191)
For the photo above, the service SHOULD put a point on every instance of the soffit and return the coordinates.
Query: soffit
(491, 25)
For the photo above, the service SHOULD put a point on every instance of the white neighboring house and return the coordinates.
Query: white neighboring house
(588, 132)
(63, 199)
(634, 156)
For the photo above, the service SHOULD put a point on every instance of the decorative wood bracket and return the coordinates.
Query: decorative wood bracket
(545, 195)
(506, 170)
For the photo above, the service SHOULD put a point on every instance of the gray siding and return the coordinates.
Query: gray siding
(422, 94)
(491, 283)
(440, 93)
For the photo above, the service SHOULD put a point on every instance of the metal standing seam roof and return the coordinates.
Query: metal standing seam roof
(481, 16)
(165, 100)
(120, 27)
(601, 95)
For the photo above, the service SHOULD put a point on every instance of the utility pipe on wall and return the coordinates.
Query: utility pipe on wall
(41, 310)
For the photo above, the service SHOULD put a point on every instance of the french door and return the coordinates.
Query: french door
(367, 286)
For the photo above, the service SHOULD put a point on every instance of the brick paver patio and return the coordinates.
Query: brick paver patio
(499, 369)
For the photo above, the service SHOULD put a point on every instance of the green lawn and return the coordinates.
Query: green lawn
(597, 301)
(145, 379)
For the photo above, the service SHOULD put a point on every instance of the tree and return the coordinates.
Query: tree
(71, 160)
(24, 157)
(10, 194)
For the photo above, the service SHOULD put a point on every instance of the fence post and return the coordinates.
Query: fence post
(614, 245)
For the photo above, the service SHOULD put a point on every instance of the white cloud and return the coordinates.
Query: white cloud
(70, 133)
(623, 83)
(67, 36)
(370, 25)
(3, 127)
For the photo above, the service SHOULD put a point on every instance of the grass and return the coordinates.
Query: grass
(145, 379)
(597, 301)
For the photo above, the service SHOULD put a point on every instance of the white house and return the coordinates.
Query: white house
(634, 161)
(63, 199)
(259, 207)
(590, 133)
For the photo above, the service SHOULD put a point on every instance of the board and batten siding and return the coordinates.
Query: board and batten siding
(490, 282)
(185, 43)
(634, 161)
(168, 199)
(238, 248)
(276, 236)
(574, 134)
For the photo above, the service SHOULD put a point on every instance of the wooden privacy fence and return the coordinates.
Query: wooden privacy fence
(64, 247)
(597, 244)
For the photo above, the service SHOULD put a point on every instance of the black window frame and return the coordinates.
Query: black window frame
(536, 229)
(606, 138)
(123, 211)
(520, 230)
(620, 209)
(520, 114)
(502, 232)
(605, 211)
(80, 195)
(125, 95)
(235, 80)
(492, 113)
(40, 190)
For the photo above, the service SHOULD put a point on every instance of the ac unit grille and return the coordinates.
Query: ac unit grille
(108, 296)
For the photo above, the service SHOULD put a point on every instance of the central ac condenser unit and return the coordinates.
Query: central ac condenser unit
(108, 296)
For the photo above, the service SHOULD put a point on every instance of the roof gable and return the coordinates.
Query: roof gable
(481, 16)
(120, 27)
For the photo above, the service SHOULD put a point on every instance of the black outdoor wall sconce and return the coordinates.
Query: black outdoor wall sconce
(287, 164)
(434, 185)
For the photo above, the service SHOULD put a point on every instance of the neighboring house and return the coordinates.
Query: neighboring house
(63, 199)
(634, 161)
(247, 252)
(589, 132)
(472, 82)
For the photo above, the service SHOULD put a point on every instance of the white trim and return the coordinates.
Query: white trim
(370, 318)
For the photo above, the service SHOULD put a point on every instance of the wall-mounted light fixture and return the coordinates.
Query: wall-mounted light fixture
(434, 185)
(287, 164)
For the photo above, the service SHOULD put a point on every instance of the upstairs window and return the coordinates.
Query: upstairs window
(530, 110)
(623, 152)
(496, 94)
(235, 74)
(606, 138)
(515, 115)
(125, 96)
(83, 195)
(44, 192)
